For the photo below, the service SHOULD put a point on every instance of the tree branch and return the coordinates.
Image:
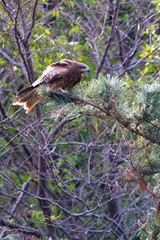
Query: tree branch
(13, 62)
(58, 128)
(18, 37)
(140, 60)
(22, 228)
(33, 19)
(19, 199)
(113, 27)
(111, 111)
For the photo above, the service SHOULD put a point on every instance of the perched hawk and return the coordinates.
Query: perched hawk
(58, 76)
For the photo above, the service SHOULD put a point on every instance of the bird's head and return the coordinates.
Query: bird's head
(83, 68)
(79, 67)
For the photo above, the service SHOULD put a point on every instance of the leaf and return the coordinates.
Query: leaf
(75, 29)
(146, 70)
(11, 220)
(143, 54)
(71, 186)
(53, 217)
(3, 143)
(11, 130)
(78, 47)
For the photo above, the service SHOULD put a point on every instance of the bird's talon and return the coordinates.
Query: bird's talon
(63, 91)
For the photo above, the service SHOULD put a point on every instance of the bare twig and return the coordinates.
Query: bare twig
(19, 199)
(13, 210)
(140, 60)
(18, 38)
(52, 134)
(113, 27)
(33, 19)
(22, 228)
(90, 24)
(13, 62)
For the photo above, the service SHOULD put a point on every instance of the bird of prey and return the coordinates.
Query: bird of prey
(58, 76)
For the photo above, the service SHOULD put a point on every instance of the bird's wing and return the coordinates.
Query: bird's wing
(52, 73)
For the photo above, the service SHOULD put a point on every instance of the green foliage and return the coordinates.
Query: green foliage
(79, 157)
(139, 108)
(146, 157)
(142, 105)
(37, 216)
(151, 68)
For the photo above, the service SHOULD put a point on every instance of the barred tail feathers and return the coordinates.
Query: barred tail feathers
(30, 100)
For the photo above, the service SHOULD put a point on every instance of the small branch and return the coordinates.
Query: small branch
(19, 199)
(113, 27)
(78, 24)
(58, 128)
(33, 19)
(140, 60)
(22, 228)
(75, 99)
(109, 111)
(143, 227)
(80, 8)
(14, 63)
(89, 165)
(42, 181)
(25, 41)
(18, 37)
(18, 133)
(7, 10)
(14, 198)
(9, 213)
(121, 51)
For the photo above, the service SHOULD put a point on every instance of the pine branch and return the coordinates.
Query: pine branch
(108, 97)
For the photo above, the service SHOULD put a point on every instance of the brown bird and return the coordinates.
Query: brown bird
(58, 76)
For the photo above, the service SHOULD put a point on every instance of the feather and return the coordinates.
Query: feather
(58, 76)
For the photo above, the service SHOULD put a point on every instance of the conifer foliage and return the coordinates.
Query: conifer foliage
(83, 164)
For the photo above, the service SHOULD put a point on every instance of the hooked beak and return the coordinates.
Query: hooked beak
(87, 69)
